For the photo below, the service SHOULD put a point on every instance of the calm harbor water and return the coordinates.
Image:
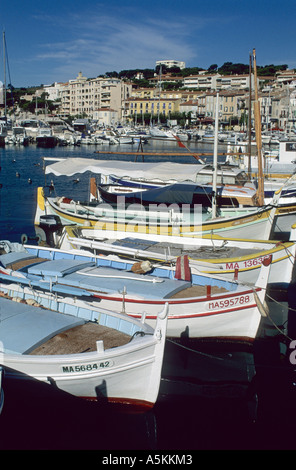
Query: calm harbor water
(211, 396)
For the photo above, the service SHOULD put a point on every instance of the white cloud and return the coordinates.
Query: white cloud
(107, 43)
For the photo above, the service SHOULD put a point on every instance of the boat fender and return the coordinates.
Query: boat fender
(141, 267)
(24, 239)
(65, 200)
(263, 308)
(266, 262)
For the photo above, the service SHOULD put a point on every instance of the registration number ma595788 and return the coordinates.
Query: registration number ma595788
(226, 303)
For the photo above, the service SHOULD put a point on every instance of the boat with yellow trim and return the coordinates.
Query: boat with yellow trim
(157, 219)
(212, 254)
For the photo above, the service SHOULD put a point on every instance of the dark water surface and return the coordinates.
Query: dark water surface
(211, 396)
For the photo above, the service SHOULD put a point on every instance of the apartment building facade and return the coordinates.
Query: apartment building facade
(205, 81)
(229, 106)
(155, 101)
(136, 108)
(201, 81)
(84, 97)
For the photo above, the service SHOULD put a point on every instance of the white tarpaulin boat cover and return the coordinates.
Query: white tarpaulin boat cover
(162, 171)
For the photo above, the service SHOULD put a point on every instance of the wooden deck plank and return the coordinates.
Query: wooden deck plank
(82, 339)
(197, 291)
(24, 263)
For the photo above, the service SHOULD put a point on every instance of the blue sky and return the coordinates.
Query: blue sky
(54, 40)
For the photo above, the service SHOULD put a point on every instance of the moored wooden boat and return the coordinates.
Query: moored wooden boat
(200, 305)
(156, 219)
(83, 350)
(213, 255)
(179, 193)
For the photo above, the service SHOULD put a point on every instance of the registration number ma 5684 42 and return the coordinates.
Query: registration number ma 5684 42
(86, 367)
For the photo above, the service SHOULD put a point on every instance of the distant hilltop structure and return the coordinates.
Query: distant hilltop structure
(171, 63)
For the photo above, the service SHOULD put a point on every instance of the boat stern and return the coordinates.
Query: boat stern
(40, 208)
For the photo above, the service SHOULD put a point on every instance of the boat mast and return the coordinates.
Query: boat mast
(250, 119)
(159, 84)
(215, 160)
(258, 136)
(4, 69)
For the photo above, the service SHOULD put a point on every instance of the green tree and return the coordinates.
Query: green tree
(213, 68)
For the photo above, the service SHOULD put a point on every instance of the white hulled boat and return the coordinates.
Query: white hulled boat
(83, 350)
(200, 305)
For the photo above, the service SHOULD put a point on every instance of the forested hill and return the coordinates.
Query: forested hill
(228, 68)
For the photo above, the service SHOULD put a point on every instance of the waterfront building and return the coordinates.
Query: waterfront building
(231, 104)
(105, 117)
(84, 97)
(153, 93)
(138, 107)
(190, 106)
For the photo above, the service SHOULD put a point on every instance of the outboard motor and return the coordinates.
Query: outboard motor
(51, 225)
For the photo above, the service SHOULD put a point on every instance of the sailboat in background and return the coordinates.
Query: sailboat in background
(3, 119)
